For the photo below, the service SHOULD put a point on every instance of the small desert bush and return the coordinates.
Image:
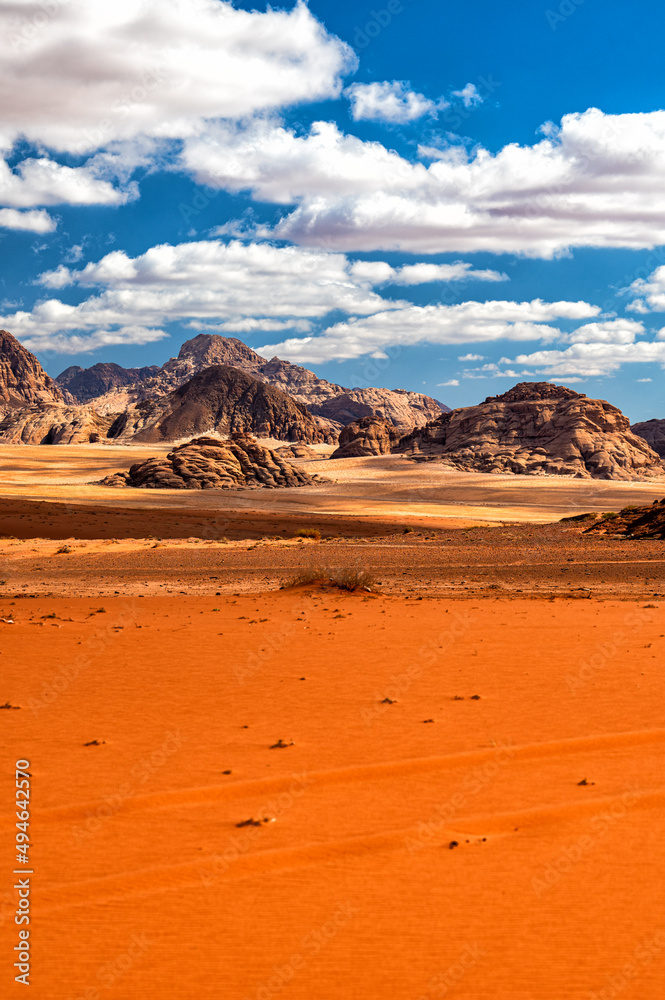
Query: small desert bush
(580, 517)
(346, 578)
(308, 533)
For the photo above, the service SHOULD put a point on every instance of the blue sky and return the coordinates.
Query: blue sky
(440, 197)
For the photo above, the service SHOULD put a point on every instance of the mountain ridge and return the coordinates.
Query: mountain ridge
(333, 405)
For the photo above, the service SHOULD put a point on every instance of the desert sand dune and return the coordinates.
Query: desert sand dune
(512, 835)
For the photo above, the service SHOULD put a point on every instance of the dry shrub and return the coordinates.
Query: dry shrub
(345, 578)
(308, 533)
(580, 517)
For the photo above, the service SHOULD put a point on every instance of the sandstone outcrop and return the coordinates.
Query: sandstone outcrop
(22, 379)
(303, 452)
(404, 410)
(537, 428)
(653, 432)
(43, 424)
(367, 436)
(210, 464)
(222, 400)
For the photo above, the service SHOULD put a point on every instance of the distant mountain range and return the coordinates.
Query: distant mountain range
(110, 388)
(215, 385)
(219, 385)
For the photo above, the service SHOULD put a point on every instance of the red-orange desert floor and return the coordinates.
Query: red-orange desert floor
(454, 797)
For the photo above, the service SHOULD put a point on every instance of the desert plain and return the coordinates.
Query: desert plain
(250, 783)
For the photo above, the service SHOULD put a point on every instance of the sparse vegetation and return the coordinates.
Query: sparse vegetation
(349, 578)
(580, 517)
(308, 533)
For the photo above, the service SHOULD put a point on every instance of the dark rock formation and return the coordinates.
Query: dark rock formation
(85, 384)
(653, 432)
(210, 464)
(367, 436)
(538, 428)
(222, 400)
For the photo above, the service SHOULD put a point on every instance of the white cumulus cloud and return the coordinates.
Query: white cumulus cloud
(41, 181)
(650, 292)
(208, 285)
(81, 74)
(467, 322)
(387, 102)
(594, 359)
(379, 272)
(469, 95)
(595, 181)
(32, 222)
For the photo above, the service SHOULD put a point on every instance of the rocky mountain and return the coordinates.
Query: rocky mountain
(334, 405)
(43, 424)
(85, 384)
(367, 436)
(22, 379)
(210, 464)
(222, 400)
(537, 428)
(653, 432)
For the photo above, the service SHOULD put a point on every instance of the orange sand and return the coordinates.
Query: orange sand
(144, 886)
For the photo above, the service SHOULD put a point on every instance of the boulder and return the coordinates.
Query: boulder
(208, 463)
(368, 436)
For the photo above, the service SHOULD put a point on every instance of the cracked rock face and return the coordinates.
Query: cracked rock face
(23, 381)
(653, 432)
(210, 464)
(44, 424)
(367, 436)
(537, 428)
